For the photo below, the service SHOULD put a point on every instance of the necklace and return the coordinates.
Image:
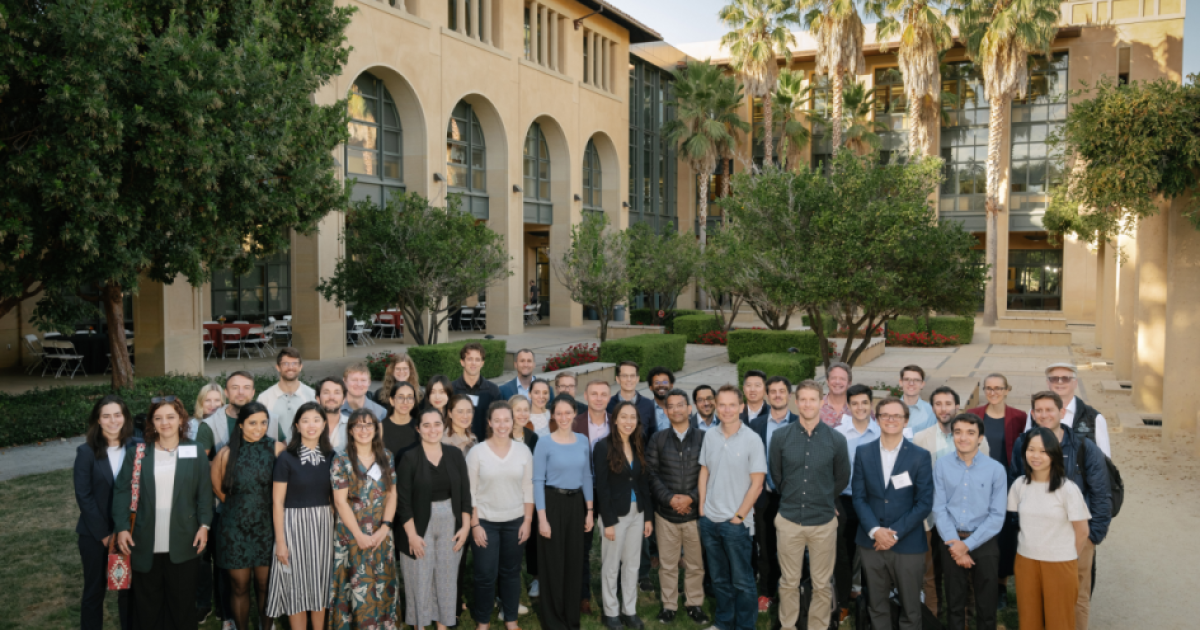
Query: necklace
(169, 451)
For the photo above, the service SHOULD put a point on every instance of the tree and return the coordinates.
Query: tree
(719, 275)
(595, 267)
(758, 36)
(924, 35)
(1000, 35)
(799, 225)
(862, 131)
(840, 35)
(153, 140)
(792, 96)
(663, 264)
(729, 102)
(426, 259)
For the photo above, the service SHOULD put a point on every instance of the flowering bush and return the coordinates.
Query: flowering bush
(922, 340)
(713, 338)
(573, 356)
(377, 364)
(842, 332)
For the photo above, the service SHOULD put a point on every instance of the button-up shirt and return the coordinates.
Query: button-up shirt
(660, 417)
(772, 426)
(810, 471)
(704, 425)
(889, 460)
(920, 417)
(339, 438)
(751, 415)
(853, 440)
(969, 498)
(521, 389)
(833, 416)
(281, 408)
(596, 432)
(730, 462)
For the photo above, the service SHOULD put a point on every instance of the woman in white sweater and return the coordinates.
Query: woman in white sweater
(501, 473)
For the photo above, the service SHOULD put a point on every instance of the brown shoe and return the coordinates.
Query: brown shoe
(845, 613)
(654, 563)
(585, 607)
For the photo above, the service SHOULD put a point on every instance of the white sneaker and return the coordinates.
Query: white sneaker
(521, 610)
(229, 625)
(534, 591)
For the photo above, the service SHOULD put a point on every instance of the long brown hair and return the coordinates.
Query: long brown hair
(151, 433)
(559, 400)
(616, 451)
(389, 377)
(95, 433)
(451, 431)
(381, 456)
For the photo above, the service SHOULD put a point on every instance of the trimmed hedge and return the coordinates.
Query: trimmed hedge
(830, 323)
(747, 343)
(645, 316)
(793, 367)
(648, 351)
(961, 327)
(694, 326)
(442, 358)
(61, 412)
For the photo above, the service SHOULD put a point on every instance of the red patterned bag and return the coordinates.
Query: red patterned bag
(120, 572)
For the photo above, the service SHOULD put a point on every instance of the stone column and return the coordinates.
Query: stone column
(534, 32)
(167, 322)
(1151, 312)
(542, 36)
(605, 60)
(460, 25)
(1107, 306)
(318, 326)
(1180, 396)
(1127, 295)
(1101, 254)
(595, 59)
(552, 24)
(486, 31)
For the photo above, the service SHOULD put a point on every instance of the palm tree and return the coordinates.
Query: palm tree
(862, 130)
(790, 98)
(730, 99)
(1000, 35)
(924, 35)
(758, 35)
(839, 33)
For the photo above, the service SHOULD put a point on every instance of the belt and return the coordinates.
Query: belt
(964, 535)
(564, 490)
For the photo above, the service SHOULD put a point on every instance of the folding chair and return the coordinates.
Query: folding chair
(466, 317)
(480, 322)
(231, 337)
(355, 334)
(207, 345)
(255, 339)
(36, 351)
(284, 329)
(364, 335)
(66, 357)
(386, 323)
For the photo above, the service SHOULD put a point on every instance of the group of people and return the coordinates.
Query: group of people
(312, 496)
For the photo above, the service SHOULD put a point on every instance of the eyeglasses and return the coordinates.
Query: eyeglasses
(406, 399)
(912, 381)
(163, 399)
(1060, 380)
(890, 417)
(363, 425)
(661, 383)
(994, 390)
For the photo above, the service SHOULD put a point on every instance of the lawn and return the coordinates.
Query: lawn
(41, 579)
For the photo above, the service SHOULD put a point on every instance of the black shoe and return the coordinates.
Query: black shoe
(697, 615)
(646, 585)
(614, 623)
(666, 616)
(632, 621)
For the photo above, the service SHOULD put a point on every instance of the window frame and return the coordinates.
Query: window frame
(367, 186)
(470, 140)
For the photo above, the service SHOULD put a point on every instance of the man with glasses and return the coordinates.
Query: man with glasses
(921, 416)
(1063, 379)
(766, 508)
(835, 408)
(627, 382)
(283, 398)
(705, 415)
(564, 383)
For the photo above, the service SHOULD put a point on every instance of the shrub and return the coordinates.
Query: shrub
(696, 326)
(921, 340)
(829, 321)
(442, 358)
(573, 356)
(647, 350)
(963, 328)
(646, 316)
(794, 367)
(747, 343)
(713, 338)
(378, 363)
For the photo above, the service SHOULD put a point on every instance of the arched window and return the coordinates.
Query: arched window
(592, 179)
(374, 154)
(466, 160)
(538, 207)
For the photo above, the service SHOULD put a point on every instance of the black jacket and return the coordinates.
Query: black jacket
(412, 491)
(94, 480)
(613, 489)
(1085, 465)
(486, 393)
(759, 426)
(674, 467)
(645, 409)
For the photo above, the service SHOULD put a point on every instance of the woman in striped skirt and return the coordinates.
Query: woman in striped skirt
(303, 563)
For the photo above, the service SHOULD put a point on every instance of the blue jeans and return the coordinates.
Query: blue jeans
(500, 559)
(727, 549)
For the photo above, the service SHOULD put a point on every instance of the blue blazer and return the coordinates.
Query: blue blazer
(645, 409)
(903, 510)
(509, 389)
(94, 481)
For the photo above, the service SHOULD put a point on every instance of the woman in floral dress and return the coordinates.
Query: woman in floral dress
(364, 588)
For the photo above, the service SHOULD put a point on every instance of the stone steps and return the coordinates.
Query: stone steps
(1030, 337)
(1031, 323)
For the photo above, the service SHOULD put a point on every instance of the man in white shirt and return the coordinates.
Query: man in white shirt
(921, 417)
(705, 416)
(283, 398)
(861, 428)
(1063, 379)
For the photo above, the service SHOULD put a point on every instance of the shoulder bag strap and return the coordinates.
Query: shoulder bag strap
(136, 484)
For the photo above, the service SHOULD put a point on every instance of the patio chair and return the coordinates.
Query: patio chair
(531, 314)
(386, 323)
(356, 333)
(480, 322)
(63, 352)
(284, 329)
(466, 317)
(207, 345)
(255, 339)
(231, 337)
(36, 351)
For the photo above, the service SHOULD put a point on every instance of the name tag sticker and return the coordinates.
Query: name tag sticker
(474, 400)
(374, 473)
(901, 481)
(187, 451)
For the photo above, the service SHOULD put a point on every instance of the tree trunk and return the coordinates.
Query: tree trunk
(727, 167)
(703, 235)
(997, 105)
(923, 112)
(768, 131)
(836, 114)
(114, 316)
(603, 313)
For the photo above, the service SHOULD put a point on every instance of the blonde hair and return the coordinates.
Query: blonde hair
(518, 429)
(356, 368)
(204, 391)
(389, 376)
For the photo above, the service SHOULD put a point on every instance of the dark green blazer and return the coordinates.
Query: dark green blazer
(191, 505)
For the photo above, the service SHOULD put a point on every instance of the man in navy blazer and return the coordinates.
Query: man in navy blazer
(627, 380)
(525, 364)
(766, 508)
(893, 493)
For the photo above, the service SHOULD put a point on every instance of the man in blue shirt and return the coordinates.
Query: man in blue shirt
(524, 363)
(861, 429)
(921, 416)
(969, 503)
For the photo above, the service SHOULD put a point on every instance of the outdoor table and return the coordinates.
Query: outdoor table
(94, 348)
(214, 333)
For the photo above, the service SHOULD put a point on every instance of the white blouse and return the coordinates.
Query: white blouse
(500, 487)
(164, 489)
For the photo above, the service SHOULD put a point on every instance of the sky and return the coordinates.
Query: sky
(678, 21)
(1191, 39)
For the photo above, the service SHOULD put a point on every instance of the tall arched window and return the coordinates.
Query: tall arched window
(466, 160)
(538, 207)
(592, 179)
(374, 154)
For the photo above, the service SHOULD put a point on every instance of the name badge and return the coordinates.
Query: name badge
(375, 473)
(901, 481)
(187, 451)
(474, 399)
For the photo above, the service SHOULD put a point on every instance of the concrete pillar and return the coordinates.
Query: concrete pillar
(542, 35)
(167, 328)
(534, 32)
(1127, 295)
(606, 59)
(460, 12)
(318, 326)
(1181, 397)
(486, 31)
(1151, 312)
(1107, 301)
(1101, 252)
(552, 24)
(595, 59)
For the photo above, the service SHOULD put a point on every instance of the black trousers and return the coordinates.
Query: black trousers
(843, 569)
(531, 552)
(560, 564)
(585, 566)
(94, 557)
(765, 511)
(214, 590)
(959, 581)
(1007, 540)
(165, 596)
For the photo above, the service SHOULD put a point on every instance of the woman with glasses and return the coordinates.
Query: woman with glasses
(399, 430)
(174, 512)
(400, 370)
(363, 592)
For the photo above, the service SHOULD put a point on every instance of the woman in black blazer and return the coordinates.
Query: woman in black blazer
(623, 500)
(434, 509)
(97, 462)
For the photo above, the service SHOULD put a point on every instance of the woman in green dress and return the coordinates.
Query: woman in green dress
(364, 587)
(241, 479)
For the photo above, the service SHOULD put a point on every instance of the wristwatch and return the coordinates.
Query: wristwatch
(388, 523)
(739, 517)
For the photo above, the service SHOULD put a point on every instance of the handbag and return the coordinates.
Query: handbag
(120, 572)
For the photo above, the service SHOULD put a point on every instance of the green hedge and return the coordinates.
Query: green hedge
(830, 323)
(60, 412)
(694, 326)
(961, 327)
(793, 367)
(747, 343)
(647, 350)
(442, 358)
(645, 316)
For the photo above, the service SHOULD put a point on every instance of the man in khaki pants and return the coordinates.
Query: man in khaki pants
(810, 467)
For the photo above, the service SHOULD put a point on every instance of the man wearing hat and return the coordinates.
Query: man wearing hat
(1063, 379)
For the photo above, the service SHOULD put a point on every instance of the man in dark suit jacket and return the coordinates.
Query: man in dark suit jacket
(524, 363)
(766, 508)
(627, 380)
(893, 493)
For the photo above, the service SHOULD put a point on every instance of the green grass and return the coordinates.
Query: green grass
(41, 578)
